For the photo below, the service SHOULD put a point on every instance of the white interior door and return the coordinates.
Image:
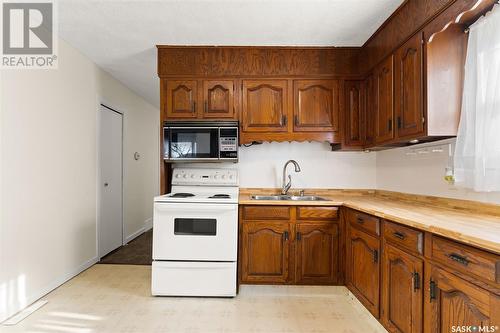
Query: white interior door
(110, 157)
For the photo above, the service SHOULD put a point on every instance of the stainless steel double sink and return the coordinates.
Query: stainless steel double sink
(288, 197)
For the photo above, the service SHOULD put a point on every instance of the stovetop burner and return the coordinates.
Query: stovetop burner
(182, 195)
(220, 196)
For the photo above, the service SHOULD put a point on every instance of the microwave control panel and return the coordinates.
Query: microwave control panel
(228, 143)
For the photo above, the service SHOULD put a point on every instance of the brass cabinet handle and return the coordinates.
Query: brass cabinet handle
(206, 107)
(299, 236)
(285, 235)
(375, 256)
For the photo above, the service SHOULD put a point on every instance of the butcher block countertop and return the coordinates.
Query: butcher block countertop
(470, 222)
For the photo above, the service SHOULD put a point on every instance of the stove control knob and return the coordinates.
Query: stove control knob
(216, 176)
(177, 176)
(192, 175)
(185, 175)
(230, 176)
(223, 176)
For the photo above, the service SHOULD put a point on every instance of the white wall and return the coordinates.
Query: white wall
(48, 175)
(262, 166)
(422, 174)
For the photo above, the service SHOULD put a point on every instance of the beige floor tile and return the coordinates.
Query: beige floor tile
(116, 298)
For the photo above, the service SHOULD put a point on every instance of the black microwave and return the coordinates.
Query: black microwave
(200, 141)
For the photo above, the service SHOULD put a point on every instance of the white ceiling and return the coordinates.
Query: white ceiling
(120, 35)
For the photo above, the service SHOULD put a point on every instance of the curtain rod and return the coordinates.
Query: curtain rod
(466, 30)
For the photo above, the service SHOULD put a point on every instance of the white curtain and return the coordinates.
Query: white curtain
(477, 152)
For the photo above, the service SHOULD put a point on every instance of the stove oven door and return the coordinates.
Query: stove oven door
(195, 231)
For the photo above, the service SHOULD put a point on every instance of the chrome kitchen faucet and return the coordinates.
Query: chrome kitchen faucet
(286, 186)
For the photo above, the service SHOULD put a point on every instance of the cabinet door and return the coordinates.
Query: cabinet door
(265, 249)
(316, 105)
(452, 302)
(369, 110)
(316, 253)
(409, 87)
(384, 103)
(218, 99)
(181, 99)
(402, 296)
(363, 268)
(354, 134)
(264, 107)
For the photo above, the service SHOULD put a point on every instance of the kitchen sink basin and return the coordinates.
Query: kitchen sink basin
(270, 197)
(288, 197)
(306, 198)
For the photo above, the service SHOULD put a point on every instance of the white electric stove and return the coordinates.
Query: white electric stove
(195, 234)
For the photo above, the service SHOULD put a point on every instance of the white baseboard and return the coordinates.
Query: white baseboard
(48, 288)
(148, 224)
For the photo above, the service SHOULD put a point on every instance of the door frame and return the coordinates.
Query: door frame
(112, 107)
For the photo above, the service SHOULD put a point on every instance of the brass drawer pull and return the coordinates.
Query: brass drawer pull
(458, 258)
(399, 235)
(360, 220)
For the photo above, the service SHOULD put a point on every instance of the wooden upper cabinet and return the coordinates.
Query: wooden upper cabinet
(402, 295)
(363, 268)
(218, 99)
(409, 97)
(369, 110)
(264, 252)
(384, 101)
(316, 105)
(317, 253)
(180, 98)
(355, 96)
(452, 302)
(264, 106)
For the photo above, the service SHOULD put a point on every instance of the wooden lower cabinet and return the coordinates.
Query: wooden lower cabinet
(289, 245)
(265, 252)
(402, 294)
(316, 253)
(453, 304)
(363, 268)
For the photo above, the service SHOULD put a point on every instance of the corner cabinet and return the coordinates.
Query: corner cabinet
(363, 258)
(289, 245)
(384, 101)
(402, 291)
(355, 114)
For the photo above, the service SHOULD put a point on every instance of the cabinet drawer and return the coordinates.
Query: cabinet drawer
(266, 212)
(364, 222)
(466, 259)
(317, 213)
(408, 238)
